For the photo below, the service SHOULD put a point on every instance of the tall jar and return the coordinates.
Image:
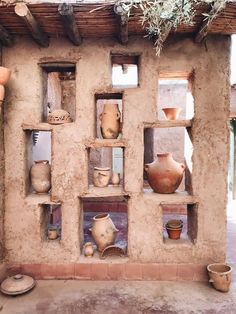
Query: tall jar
(103, 231)
(110, 121)
(164, 174)
(40, 174)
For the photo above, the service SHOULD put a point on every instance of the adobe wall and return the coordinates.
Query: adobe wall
(69, 160)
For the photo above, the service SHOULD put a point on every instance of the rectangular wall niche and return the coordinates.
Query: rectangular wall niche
(117, 208)
(125, 70)
(109, 105)
(175, 91)
(106, 157)
(59, 88)
(38, 149)
(188, 215)
(169, 140)
(51, 222)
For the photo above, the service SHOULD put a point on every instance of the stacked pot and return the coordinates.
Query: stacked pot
(5, 74)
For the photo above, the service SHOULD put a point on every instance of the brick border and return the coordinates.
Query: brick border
(112, 271)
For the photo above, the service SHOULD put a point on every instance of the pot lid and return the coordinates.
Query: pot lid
(17, 284)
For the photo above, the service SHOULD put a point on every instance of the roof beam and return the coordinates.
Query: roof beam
(123, 20)
(68, 19)
(207, 23)
(35, 29)
(5, 37)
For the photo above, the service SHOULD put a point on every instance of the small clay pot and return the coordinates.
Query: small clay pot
(40, 175)
(88, 249)
(220, 276)
(171, 113)
(174, 233)
(59, 117)
(5, 74)
(115, 179)
(174, 223)
(101, 177)
(110, 121)
(52, 233)
(2, 93)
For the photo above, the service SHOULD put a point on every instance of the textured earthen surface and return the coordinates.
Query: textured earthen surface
(70, 157)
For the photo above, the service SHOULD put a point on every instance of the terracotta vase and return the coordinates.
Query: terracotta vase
(220, 276)
(2, 93)
(164, 174)
(5, 74)
(40, 174)
(101, 177)
(110, 121)
(103, 231)
(174, 233)
(171, 113)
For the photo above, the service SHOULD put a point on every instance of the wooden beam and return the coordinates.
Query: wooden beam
(207, 23)
(5, 38)
(35, 29)
(68, 19)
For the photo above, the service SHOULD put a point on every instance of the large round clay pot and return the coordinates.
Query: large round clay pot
(103, 231)
(101, 177)
(110, 121)
(220, 276)
(2, 93)
(40, 174)
(164, 174)
(5, 74)
(171, 113)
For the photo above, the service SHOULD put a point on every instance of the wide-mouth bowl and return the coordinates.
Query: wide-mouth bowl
(174, 223)
(217, 268)
(101, 216)
(172, 108)
(41, 161)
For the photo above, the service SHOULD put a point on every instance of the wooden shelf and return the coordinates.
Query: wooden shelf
(97, 143)
(177, 198)
(168, 124)
(37, 127)
(110, 190)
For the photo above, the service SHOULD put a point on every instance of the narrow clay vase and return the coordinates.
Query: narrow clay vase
(115, 178)
(2, 93)
(103, 231)
(40, 174)
(110, 121)
(164, 174)
(220, 276)
(101, 177)
(5, 74)
(171, 113)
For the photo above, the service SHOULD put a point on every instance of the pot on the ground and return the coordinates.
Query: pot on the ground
(220, 276)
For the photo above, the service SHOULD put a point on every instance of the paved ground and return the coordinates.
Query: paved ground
(86, 297)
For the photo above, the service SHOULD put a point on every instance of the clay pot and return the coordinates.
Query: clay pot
(115, 179)
(88, 249)
(174, 223)
(110, 121)
(40, 174)
(5, 74)
(101, 176)
(59, 117)
(171, 113)
(2, 93)
(52, 233)
(103, 231)
(174, 233)
(164, 174)
(220, 276)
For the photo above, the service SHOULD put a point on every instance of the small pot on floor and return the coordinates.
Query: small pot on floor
(220, 276)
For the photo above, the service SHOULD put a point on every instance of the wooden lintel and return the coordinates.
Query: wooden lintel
(35, 29)
(206, 24)
(68, 19)
(5, 37)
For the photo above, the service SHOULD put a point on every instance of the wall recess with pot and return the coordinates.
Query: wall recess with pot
(59, 89)
(125, 70)
(105, 227)
(50, 222)
(38, 162)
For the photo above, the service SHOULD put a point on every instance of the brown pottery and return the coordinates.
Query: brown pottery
(101, 176)
(103, 231)
(40, 174)
(110, 121)
(220, 276)
(164, 174)
(5, 74)
(2, 93)
(174, 233)
(171, 113)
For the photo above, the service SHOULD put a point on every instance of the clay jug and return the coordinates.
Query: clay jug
(5, 74)
(40, 174)
(101, 176)
(103, 231)
(110, 121)
(164, 174)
